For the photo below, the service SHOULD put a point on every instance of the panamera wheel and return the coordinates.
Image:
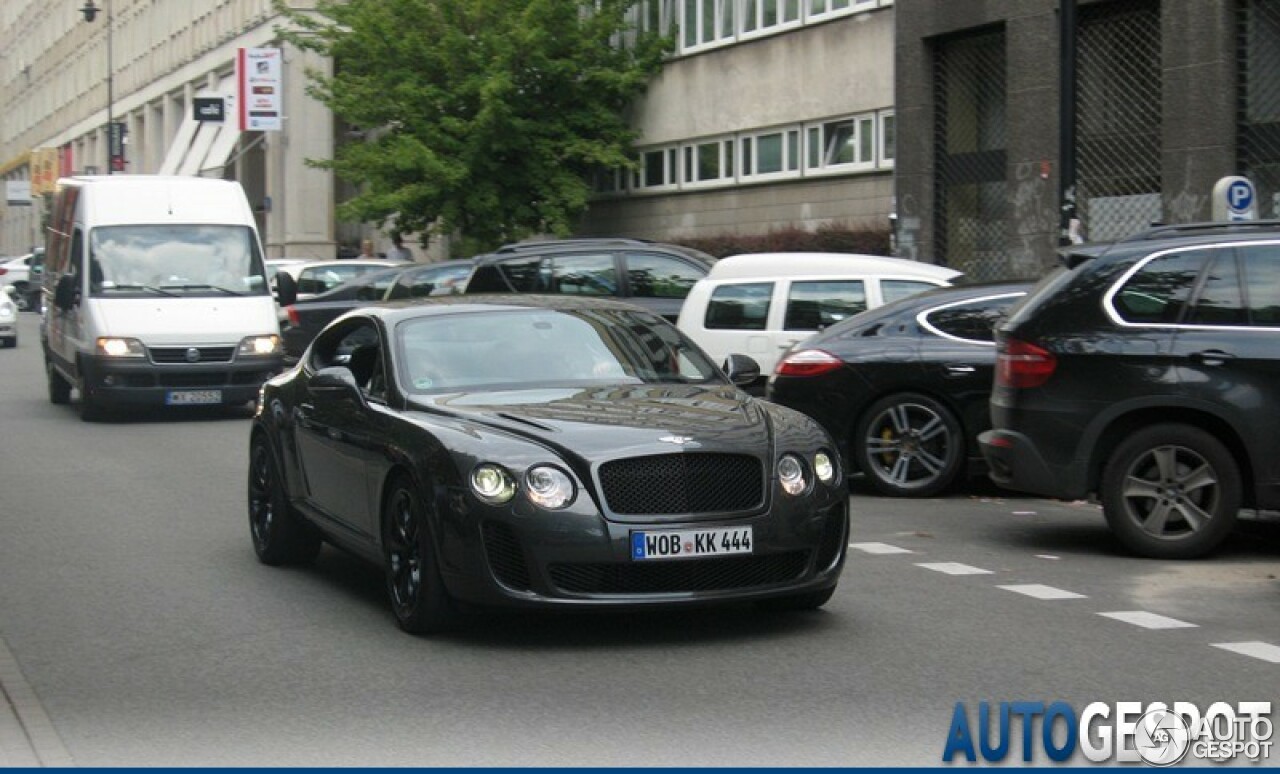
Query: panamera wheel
(909, 446)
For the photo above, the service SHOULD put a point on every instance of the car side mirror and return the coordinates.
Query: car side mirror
(741, 369)
(64, 293)
(286, 288)
(335, 381)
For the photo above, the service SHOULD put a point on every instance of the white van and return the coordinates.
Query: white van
(760, 304)
(156, 294)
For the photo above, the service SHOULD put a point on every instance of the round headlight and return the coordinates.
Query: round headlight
(823, 468)
(492, 484)
(791, 474)
(549, 487)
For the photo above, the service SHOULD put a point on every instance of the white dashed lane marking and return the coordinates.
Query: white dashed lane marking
(954, 568)
(1040, 591)
(879, 548)
(1263, 650)
(1148, 620)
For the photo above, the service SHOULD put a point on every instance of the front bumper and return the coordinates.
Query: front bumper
(584, 561)
(129, 382)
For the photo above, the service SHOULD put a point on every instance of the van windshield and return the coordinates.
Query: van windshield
(178, 260)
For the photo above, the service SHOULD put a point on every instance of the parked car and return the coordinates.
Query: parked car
(903, 389)
(541, 452)
(288, 265)
(317, 277)
(9, 317)
(762, 304)
(649, 274)
(1146, 372)
(17, 272)
(305, 318)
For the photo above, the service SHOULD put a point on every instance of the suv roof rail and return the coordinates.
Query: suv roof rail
(542, 244)
(1175, 229)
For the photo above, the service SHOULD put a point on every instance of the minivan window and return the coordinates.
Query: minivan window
(181, 259)
(584, 275)
(743, 307)
(1159, 290)
(1262, 281)
(657, 276)
(816, 304)
(524, 275)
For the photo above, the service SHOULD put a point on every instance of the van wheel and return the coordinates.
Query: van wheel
(91, 409)
(1171, 492)
(59, 387)
(909, 445)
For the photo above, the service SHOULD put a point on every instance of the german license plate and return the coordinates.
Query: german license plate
(690, 543)
(192, 397)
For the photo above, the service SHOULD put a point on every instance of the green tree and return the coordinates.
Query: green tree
(482, 116)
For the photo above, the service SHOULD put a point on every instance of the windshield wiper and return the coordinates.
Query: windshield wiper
(148, 288)
(219, 288)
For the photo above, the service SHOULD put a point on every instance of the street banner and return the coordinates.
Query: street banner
(259, 81)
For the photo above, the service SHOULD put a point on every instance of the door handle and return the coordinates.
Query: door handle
(788, 344)
(960, 370)
(1212, 357)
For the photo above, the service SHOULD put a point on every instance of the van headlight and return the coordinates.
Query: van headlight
(114, 347)
(259, 346)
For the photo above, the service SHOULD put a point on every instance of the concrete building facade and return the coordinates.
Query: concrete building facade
(771, 113)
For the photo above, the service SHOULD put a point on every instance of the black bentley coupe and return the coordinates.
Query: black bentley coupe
(542, 451)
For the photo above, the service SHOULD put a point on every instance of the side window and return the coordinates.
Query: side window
(584, 275)
(1219, 301)
(659, 276)
(742, 307)
(1262, 283)
(893, 290)
(972, 321)
(356, 346)
(817, 304)
(524, 274)
(76, 261)
(1159, 290)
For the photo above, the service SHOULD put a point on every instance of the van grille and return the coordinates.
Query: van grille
(204, 354)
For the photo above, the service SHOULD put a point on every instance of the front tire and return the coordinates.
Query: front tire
(59, 387)
(1171, 492)
(418, 597)
(909, 445)
(280, 536)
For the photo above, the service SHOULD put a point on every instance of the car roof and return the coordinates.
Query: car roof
(396, 311)
(758, 265)
(592, 243)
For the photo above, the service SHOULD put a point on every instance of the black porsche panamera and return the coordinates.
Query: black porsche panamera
(540, 451)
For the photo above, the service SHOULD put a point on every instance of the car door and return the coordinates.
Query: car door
(1228, 350)
(808, 306)
(658, 282)
(339, 432)
(957, 353)
(65, 325)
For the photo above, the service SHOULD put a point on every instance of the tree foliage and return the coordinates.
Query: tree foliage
(481, 116)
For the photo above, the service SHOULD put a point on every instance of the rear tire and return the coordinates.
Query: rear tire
(418, 597)
(279, 534)
(1171, 492)
(909, 445)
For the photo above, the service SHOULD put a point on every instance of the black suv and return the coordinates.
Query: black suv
(650, 274)
(1148, 372)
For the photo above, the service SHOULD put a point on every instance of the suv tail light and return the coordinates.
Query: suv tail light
(1020, 364)
(292, 314)
(808, 362)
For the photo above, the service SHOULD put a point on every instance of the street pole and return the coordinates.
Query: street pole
(1069, 225)
(111, 121)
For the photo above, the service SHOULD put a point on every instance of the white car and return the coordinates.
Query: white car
(16, 273)
(9, 316)
(761, 304)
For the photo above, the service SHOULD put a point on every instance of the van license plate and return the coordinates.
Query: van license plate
(192, 397)
(690, 543)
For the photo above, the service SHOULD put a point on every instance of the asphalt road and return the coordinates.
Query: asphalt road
(137, 629)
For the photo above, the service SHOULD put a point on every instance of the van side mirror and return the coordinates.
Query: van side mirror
(741, 369)
(286, 288)
(64, 293)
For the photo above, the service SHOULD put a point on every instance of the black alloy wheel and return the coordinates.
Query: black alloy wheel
(418, 596)
(1171, 492)
(280, 536)
(909, 445)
